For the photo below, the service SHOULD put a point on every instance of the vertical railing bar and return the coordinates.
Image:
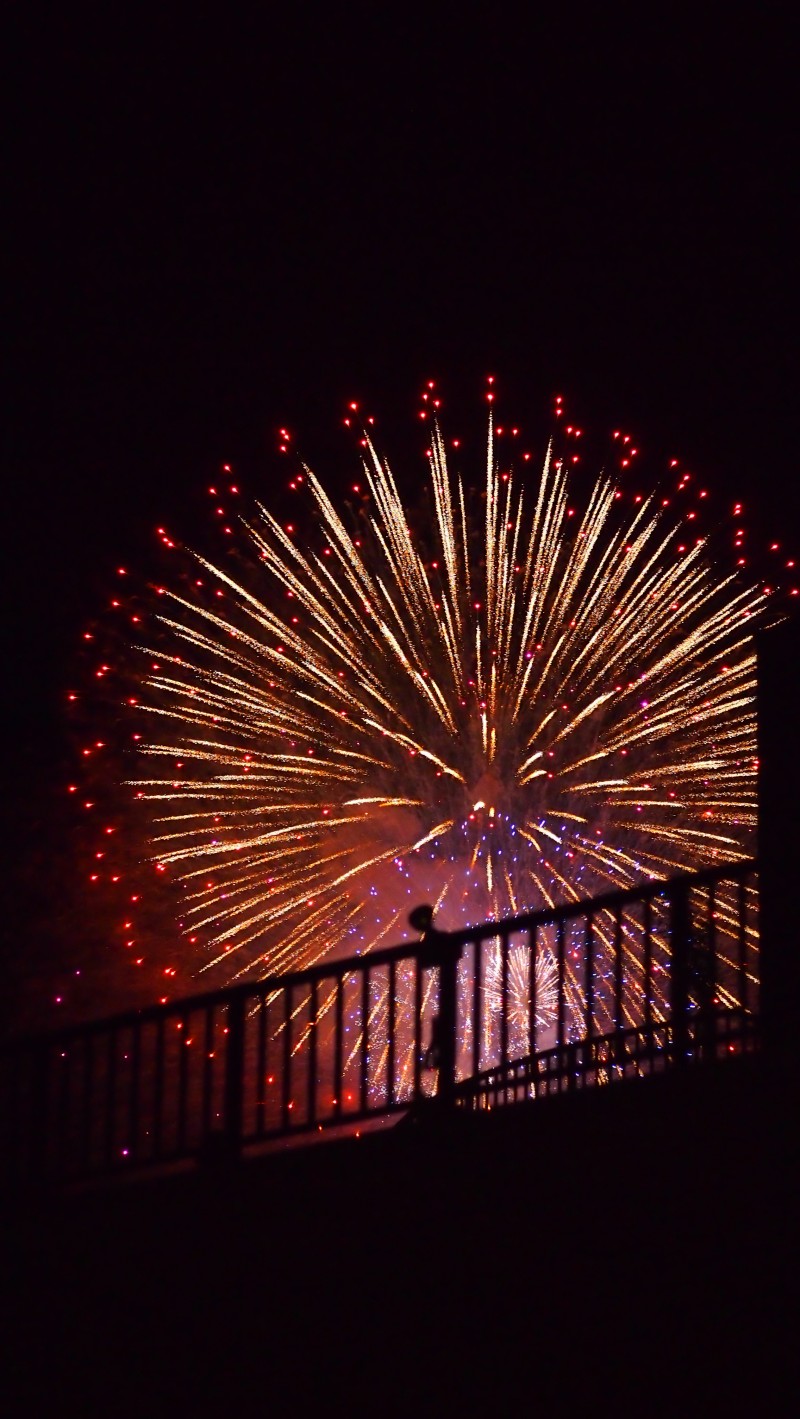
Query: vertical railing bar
(20, 1120)
(533, 1003)
(133, 1098)
(208, 1053)
(618, 974)
(647, 967)
(261, 1065)
(504, 999)
(390, 1040)
(88, 1090)
(313, 1011)
(158, 1091)
(18, 1135)
(65, 1062)
(589, 976)
(111, 1085)
(338, 1044)
(286, 1068)
(234, 1072)
(742, 910)
(712, 942)
(708, 984)
(417, 1029)
(680, 925)
(561, 974)
(448, 1017)
(183, 1082)
(477, 1022)
(364, 1082)
(41, 1064)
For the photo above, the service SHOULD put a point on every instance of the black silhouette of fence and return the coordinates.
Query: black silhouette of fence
(661, 976)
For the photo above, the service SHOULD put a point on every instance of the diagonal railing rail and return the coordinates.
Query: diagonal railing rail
(635, 982)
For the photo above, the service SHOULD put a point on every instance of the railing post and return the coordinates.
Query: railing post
(437, 949)
(679, 940)
(779, 848)
(37, 1161)
(234, 1075)
(447, 1022)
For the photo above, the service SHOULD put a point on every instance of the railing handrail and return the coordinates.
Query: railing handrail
(341, 967)
(645, 891)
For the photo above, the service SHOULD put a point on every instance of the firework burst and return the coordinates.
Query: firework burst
(520, 992)
(500, 714)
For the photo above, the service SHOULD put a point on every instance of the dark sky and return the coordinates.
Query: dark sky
(217, 227)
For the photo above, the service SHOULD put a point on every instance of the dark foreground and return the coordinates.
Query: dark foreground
(632, 1246)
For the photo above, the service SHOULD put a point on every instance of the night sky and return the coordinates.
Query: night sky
(216, 230)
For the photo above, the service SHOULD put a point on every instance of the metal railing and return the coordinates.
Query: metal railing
(628, 984)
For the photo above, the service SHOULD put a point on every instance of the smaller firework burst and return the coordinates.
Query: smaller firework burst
(524, 1004)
